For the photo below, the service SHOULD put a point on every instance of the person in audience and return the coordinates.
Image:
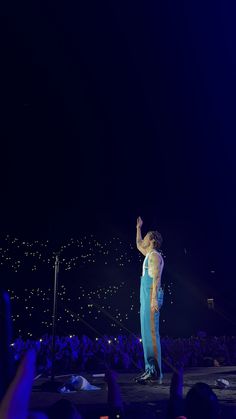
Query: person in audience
(200, 403)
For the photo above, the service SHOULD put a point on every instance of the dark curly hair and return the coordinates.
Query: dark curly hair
(202, 402)
(157, 237)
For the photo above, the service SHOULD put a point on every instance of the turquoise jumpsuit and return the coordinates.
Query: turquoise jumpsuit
(150, 320)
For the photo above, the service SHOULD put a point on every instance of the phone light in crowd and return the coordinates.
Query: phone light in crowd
(40, 340)
(12, 344)
(109, 342)
(71, 336)
(140, 340)
(96, 339)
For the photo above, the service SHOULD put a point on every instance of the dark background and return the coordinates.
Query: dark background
(117, 109)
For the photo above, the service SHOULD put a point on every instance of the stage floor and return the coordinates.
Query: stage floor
(141, 400)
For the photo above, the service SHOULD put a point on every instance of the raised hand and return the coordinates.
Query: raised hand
(114, 394)
(176, 386)
(15, 403)
(139, 222)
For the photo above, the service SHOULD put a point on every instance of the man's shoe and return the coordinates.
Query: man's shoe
(140, 376)
(148, 378)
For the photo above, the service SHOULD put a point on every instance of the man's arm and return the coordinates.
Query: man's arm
(139, 236)
(154, 271)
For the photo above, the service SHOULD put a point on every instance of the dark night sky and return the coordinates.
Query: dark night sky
(118, 109)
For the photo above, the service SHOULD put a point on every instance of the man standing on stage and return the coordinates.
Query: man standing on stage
(151, 299)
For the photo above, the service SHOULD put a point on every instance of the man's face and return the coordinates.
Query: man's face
(146, 241)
